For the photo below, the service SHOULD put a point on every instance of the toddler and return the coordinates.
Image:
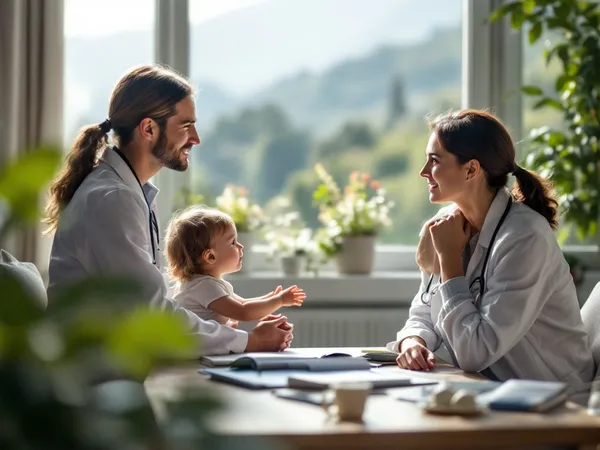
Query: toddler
(201, 247)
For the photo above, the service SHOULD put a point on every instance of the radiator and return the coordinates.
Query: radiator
(345, 328)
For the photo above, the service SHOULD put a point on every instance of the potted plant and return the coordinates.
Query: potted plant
(352, 219)
(291, 242)
(247, 216)
(571, 156)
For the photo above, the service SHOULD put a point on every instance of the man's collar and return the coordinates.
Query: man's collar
(493, 216)
(111, 158)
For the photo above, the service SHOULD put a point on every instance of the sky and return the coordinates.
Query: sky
(114, 15)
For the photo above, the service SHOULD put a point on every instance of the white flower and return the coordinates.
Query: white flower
(234, 201)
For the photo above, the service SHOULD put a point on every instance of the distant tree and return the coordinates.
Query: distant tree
(392, 164)
(352, 135)
(279, 157)
(219, 162)
(249, 123)
(229, 151)
(397, 101)
(300, 187)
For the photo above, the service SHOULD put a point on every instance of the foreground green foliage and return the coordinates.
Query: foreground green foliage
(571, 154)
(71, 376)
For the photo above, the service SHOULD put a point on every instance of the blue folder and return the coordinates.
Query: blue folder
(268, 379)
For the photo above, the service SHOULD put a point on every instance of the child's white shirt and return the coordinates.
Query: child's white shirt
(199, 292)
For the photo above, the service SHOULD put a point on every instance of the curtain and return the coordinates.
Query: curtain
(31, 96)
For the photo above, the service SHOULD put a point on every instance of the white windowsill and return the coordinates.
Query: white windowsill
(377, 289)
(394, 281)
(392, 258)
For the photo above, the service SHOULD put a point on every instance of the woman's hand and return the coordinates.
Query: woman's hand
(450, 235)
(427, 258)
(414, 355)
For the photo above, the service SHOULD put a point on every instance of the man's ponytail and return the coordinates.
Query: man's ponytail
(80, 161)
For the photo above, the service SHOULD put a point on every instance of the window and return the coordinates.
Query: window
(536, 73)
(284, 84)
(103, 39)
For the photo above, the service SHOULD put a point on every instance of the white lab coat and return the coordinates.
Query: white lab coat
(105, 230)
(527, 324)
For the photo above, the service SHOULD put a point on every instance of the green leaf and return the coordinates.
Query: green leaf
(589, 8)
(562, 10)
(555, 139)
(320, 192)
(145, 338)
(504, 10)
(548, 102)
(535, 32)
(563, 234)
(517, 18)
(17, 307)
(22, 180)
(563, 53)
(532, 90)
(561, 80)
(592, 228)
(528, 6)
(549, 53)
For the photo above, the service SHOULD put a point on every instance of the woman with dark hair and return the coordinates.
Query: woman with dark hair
(496, 289)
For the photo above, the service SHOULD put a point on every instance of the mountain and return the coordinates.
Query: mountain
(213, 101)
(361, 86)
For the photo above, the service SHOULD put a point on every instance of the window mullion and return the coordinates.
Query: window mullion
(492, 64)
(172, 36)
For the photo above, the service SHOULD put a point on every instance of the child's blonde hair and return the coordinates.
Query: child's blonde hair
(190, 232)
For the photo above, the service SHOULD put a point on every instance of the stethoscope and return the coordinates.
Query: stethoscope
(152, 222)
(428, 292)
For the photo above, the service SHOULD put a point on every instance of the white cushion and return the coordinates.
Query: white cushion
(26, 275)
(590, 314)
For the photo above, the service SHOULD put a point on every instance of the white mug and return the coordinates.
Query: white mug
(349, 400)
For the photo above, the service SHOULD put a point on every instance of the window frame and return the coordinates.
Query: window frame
(491, 70)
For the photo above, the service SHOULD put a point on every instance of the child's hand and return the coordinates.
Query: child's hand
(232, 323)
(274, 293)
(292, 296)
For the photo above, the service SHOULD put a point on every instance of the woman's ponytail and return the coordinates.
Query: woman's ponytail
(80, 161)
(535, 192)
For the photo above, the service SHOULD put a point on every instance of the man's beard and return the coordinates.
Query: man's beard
(168, 155)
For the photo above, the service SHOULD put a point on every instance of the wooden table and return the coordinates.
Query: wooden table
(388, 423)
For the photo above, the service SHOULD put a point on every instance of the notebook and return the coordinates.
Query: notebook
(379, 380)
(265, 372)
(227, 360)
(526, 395)
(327, 364)
(250, 379)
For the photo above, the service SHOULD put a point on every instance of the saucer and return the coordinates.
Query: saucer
(451, 410)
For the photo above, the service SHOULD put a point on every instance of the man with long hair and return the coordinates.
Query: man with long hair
(103, 207)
